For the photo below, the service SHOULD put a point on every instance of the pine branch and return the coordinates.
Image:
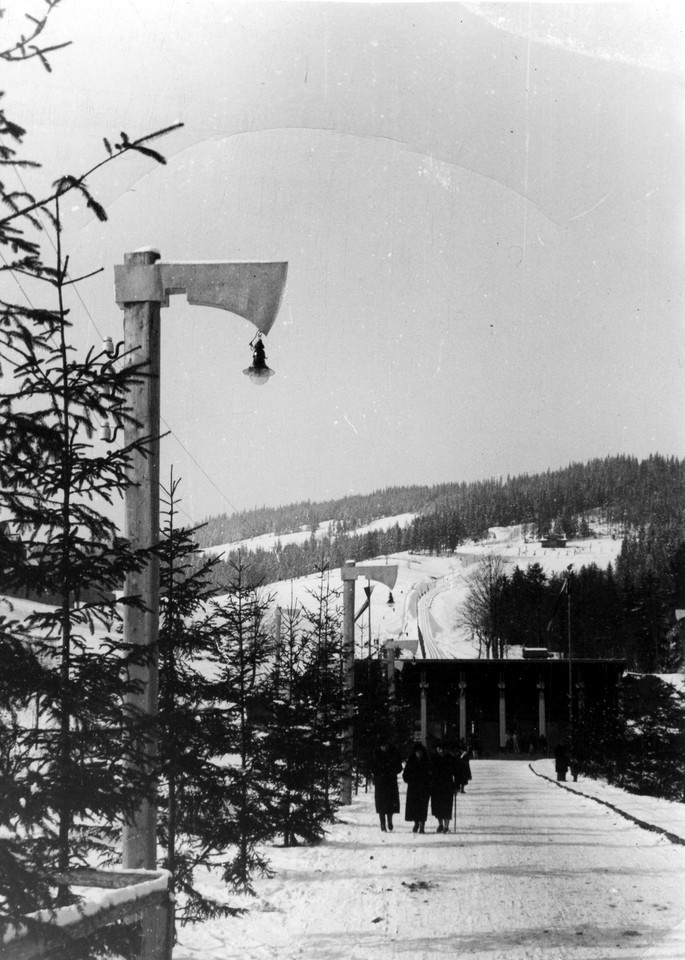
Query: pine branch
(68, 182)
(25, 49)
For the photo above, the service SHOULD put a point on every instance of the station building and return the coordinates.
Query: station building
(500, 705)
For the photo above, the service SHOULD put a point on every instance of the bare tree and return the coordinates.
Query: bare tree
(482, 612)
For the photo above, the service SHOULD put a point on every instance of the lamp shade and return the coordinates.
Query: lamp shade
(258, 372)
(259, 375)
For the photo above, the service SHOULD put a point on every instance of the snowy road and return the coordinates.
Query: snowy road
(533, 871)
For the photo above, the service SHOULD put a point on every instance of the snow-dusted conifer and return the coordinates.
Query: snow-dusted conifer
(291, 744)
(244, 652)
(322, 691)
(66, 782)
(192, 782)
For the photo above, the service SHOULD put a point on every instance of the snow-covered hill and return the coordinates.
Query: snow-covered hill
(430, 590)
(268, 541)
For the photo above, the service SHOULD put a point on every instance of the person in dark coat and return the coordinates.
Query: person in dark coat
(561, 759)
(575, 761)
(442, 785)
(416, 775)
(385, 766)
(463, 771)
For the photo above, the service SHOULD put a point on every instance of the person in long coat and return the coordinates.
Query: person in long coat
(561, 759)
(416, 775)
(463, 771)
(442, 787)
(385, 766)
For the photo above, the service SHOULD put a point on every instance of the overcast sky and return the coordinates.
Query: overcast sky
(481, 206)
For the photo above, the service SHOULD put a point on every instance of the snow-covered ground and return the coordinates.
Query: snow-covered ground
(511, 545)
(533, 871)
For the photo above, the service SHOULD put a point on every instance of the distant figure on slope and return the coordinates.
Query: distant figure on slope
(442, 786)
(385, 767)
(561, 759)
(416, 775)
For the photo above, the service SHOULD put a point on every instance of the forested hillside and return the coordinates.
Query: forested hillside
(625, 492)
(348, 512)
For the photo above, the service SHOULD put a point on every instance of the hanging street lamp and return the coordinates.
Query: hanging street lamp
(143, 285)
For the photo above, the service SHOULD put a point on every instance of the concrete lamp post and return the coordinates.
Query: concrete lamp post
(142, 286)
(393, 666)
(568, 580)
(349, 572)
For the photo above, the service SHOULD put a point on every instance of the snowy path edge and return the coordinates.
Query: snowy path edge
(673, 837)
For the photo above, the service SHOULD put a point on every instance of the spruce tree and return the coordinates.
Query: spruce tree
(193, 783)
(66, 774)
(244, 650)
(290, 745)
(323, 692)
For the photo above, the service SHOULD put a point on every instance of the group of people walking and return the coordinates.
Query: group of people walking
(432, 780)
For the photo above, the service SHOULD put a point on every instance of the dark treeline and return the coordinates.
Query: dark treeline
(639, 744)
(626, 611)
(629, 494)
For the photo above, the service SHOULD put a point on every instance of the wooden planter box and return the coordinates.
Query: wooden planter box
(133, 896)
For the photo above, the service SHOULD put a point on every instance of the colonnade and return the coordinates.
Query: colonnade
(463, 691)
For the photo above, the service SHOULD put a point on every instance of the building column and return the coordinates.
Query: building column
(423, 685)
(542, 716)
(502, 713)
(462, 705)
(390, 667)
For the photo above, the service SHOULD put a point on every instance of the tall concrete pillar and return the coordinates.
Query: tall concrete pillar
(390, 664)
(542, 715)
(348, 683)
(423, 685)
(349, 572)
(462, 705)
(142, 344)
